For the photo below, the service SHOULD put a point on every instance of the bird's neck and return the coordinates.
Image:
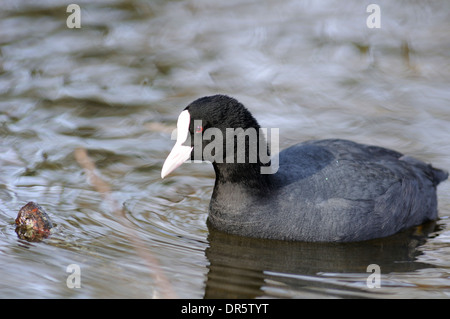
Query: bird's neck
(242, 175)
(238, 190)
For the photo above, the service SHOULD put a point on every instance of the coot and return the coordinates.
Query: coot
(326, 190)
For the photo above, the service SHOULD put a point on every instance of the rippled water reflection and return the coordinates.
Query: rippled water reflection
(115, 88)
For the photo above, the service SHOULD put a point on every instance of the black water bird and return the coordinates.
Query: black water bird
(324, 191)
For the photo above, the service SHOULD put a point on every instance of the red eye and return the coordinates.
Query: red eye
(199, 129)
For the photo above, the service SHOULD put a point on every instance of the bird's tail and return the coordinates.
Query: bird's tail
(439, 175)
(436, 175)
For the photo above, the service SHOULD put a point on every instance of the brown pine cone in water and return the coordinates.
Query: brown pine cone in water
(33, 223)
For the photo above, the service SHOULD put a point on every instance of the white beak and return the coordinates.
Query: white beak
(180, 153)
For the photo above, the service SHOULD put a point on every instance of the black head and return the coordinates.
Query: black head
(220, 130)
(220, 111)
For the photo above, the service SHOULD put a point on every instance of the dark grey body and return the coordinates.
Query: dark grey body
(331, 191)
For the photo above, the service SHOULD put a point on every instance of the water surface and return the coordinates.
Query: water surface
(115, 87)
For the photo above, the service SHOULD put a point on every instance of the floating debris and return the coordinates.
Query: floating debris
(33, 223)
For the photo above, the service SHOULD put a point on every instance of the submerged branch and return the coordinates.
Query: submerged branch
(104, 189)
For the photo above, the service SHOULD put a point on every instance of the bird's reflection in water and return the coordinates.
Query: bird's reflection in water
(244, 267)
